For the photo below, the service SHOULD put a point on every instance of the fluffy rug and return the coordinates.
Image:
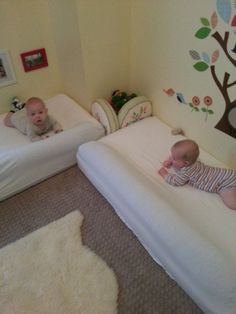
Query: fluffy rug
(50, 271)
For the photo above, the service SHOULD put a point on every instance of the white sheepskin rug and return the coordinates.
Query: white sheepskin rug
(50, 271)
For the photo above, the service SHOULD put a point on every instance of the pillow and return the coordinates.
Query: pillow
(135, 109)
(105, 114)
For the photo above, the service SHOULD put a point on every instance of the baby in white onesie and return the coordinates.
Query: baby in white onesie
(33, 120)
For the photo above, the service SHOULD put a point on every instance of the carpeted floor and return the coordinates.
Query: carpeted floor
(144, 287)
(53, 272)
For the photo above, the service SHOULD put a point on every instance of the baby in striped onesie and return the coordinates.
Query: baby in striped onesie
(189, 170)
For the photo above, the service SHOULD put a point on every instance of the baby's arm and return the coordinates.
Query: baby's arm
(32, 135)
(56, 126)
(167, 163)
(173, 179)
(163, 172)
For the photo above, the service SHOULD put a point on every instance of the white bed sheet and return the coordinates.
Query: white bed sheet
(23, 163)
(191, 233)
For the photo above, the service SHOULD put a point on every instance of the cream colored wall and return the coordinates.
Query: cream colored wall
(24, 26)
(65, 27)
(105, 34)
(162, 35)
(92, 39)
(91, 51)
(87, 44)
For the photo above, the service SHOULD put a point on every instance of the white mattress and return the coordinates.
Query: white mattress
(191, 233)
(23, 163)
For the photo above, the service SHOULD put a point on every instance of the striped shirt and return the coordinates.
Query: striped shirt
(203, 177)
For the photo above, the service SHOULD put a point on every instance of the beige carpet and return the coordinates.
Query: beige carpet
(50, 271)
(144, 287)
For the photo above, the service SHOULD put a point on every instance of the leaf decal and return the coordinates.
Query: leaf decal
(201, 66)
(205, 21)
(224, 9)
(169, 91)
(206, 57)
(203, 32)
(215, 56)
(214, 20)
(233, 23)
(194, 54)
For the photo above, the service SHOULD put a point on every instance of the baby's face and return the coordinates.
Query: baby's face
(37, 113)
(177, 159)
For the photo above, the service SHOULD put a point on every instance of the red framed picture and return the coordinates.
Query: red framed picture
(34, 59)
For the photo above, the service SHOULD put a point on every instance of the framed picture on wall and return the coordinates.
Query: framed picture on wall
(7, 74)
(34, 59)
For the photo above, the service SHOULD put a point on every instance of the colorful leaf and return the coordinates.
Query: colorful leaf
(205, 21)
(206, 57)
(204, 109)
(194, 54)
(169, 91)
(210, 111)
(215, 56)
(214, 20)
(224, 9)
(201, 66)
(203, 32)
(233, 23)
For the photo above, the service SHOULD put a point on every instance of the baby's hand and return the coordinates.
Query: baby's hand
(167, 163)
(163, 172)
(44, 136)
(58, 131)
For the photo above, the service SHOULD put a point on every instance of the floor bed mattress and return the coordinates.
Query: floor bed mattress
(189, 232)
(24, 163)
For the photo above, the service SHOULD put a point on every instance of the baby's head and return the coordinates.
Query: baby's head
(184, 153)
(36, 111)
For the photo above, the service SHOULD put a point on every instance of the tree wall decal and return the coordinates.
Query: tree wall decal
(205, 62)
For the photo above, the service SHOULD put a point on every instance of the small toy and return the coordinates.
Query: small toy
(16, 104)
(177, 131)
(119, 98)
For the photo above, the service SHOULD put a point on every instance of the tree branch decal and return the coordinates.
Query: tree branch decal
(206, 62)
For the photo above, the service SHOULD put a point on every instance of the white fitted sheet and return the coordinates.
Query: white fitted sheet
(24, 163)
(191, 233)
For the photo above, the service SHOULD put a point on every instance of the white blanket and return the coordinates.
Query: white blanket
(191, 233)
(23, 163)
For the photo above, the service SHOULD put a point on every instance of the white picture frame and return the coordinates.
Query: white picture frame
(7, 74)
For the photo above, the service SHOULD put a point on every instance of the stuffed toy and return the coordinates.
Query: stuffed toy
(119, 98)
(16, 104)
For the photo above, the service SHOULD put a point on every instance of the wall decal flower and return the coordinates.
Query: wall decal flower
(195, 103)
(208, 102)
